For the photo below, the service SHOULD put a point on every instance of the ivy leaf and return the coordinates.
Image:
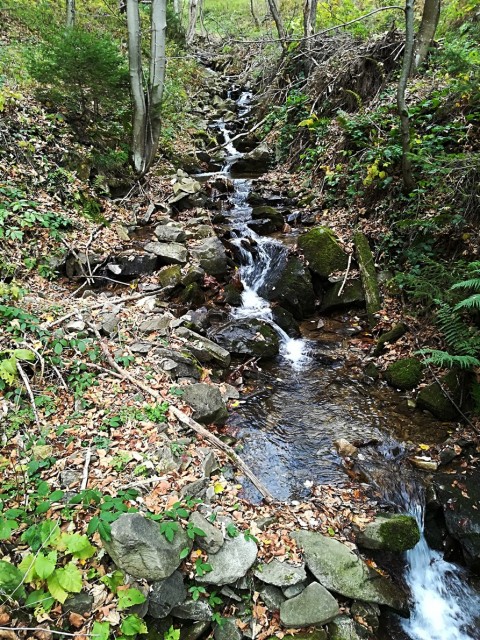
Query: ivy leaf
(55, 587)
(70, 578)
(129, 598)
(101, 630)
(45, 565)
(133, 625)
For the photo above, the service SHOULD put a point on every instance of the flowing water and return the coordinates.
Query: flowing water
(308, 400)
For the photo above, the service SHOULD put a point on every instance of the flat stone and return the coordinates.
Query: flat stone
(193, 610)
(272, 597)
(206, 402)
(132, 264)
(209, 464)
(212, 542)
(168, 253)
(81, 603)
(177, 365)
(280, 574)
(340, 570)
(228, 630)
(166, 594)
(203, 349)
(195, 489)
(315, 605)
(343, 628)
(232, 562)
(171, 232)
(141, 347)
(109, 323)
(210, 253)
(294, 590)
(159, 324)
(138, 547)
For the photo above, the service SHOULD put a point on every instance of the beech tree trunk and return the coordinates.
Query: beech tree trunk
(194, 8)
(146, 102)
(426, 31)
(70, 21)
(407, 172)
(277, 18)
(309, 17)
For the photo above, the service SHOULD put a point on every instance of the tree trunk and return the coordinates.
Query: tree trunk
(407, 173)
(70, 21)
(177, 9)
(194, 7)
(309, 17)
(254, 15)
(146, 105)
(272, 5)
(426, 31)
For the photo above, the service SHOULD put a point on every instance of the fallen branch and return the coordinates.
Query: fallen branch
(88, 457)
(24, 377)
(340, 291)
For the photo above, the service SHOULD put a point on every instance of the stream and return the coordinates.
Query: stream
(307, 400)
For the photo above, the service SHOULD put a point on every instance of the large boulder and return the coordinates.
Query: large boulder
(248, 337)
(210, 253)
(341, 570)
(323, 252)
(293, 289)
(231, 563)
(433, 398)
(268, 213)
(168, 252)
(280, 574)
(405, 373)
(137, 547)
(343, 297)
(390, 532)
(256, 161)
(206, 402)
(132, 264)
(165, 595)
(314, 606)
(203, 349)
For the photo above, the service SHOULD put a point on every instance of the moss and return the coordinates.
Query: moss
(193, 295)
(294, 289)
(404, 374)
(399, 533)
(170, 276)
(321, 249)
(393, 335)
(433, 399)
(369, 276)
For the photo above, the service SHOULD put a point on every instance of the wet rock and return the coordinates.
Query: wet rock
(138, 547)
(390, 532)
(193, 295)
(280, 574)
(268, 213)
(231, 563)
(206, 402)
(172, 232)
(203, 349)
(351, 296)
(159, 324)
(170, 276)
(168, 253)
(194, 274)
(293, 289)
(212, 541)
(228, 630)
(250, 337)
(166, 594)
(232, 295)
(256, 161)
(81, 603)
(323, 252)
(131, 264)
(345, 448)
(391, 336)
(255, 199)
(315, 605)
(210, 253)
(272, 597)
(193, 610)
(286, 321)
(193, 631)
(368, 613)
(433, 399)
(343, 628)
(263, 227)
(340, 570)
(405, 373)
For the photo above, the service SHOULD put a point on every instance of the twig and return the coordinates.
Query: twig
(24, 377)
(142, 483)
(88, 457)
(340, 291)
(60, 377)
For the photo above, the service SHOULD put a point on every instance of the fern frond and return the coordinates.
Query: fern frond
(472, 302)
(447, 360)
(473, 284)
(458, 337)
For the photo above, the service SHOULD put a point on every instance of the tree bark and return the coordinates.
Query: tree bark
(254, 15)
(277, 18)
(146, 104)
(309, 17)
(70, 20)
(426, 31)
(407, 172)
(194, 7)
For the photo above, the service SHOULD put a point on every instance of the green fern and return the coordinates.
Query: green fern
(470, 303)
(447, 360)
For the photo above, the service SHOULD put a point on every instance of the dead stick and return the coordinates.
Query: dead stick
(24, 377)
(340, 291)
(86, 466)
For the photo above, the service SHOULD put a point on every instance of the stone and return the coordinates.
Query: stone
(280, 574)
(345, 448)
(256, 161)
(168, 253)
(203, 349)
(248, 337)
(210, 253)
(75, 326)
(42, 451)
(228, 630)
(194, 631)
(194, 274)
(130, 264)
(368, 613)
(209, 464)
(193, 610)
(206, 402)
(395, 333)
(286, 321)
(316, 634)
(432, 398)
(315, 605)
(390, 532)
(178, 365)
(171, 232)
(201, 231)
(138, 548)
(294, 590)
(292, 288)
(193, 295)
(272, 597)
(263, 227)
(159, 324)
(368, 275)
(323, 252)
(109, 323)
(80, 264)
(270, 213)
(166, 594)
(195, 489)
(343, 628)
(341, 570)
(141, 347)
(351, 296)
(212, 541)
(170, 276)
(232, 562)
(404, 373)
(81, 603)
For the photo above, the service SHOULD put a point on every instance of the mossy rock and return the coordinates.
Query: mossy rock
(320, 247)
(393, 335)
(232, 295)
(193, 295)
(351, 296)
(397, 533)
(170, 276)
(404, 374)
(433, 399)
(268, 213)
(293, 289)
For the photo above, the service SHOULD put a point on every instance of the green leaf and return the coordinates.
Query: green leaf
(43, 489)
(56, 495)
(6, 528)
(184, 553)
(168, 529)
(101, 630)
(129, 598)
(58, 348)
(133, 625)
(45, 565)
(70, 578)
(79, 546)
(39, 598)
(43, 507)
(114, 580)
(11, 580)
(27, 567)
(55, 587)
(24, 354)
(105, 531)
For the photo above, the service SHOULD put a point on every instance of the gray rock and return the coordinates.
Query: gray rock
(339, 569)
(272, 597)
(228, 630)
(292, 288)
(200, 231)
(81, 603)
(168, 253)
(230, 594)
(395, 532)
(280, 574)
(369, 613)
(109, 323)
(68, 477)
(210, 253)
(232, 562)
(171, 232)
(159, 324)
(75, 326)
(250, 337)
(138, 547)
(206, 402)
(343, 628)
(194, 274)
(170, 276)
(209, 464)
(133, 264)
(177, 365)
(203, 349)
(193, 610)
(195, 489)
(212, 542)
(294, 590)
(166, 594)
(315, 605)
(352, 296)
(78, 264)
(195, 630)
(141, 347)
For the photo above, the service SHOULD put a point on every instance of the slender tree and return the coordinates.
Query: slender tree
(407, 172)
(146, 101)
(194, 10)
(70, 21)
(309, 17)
(426, 31)
(277, 18)
(254, 14)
